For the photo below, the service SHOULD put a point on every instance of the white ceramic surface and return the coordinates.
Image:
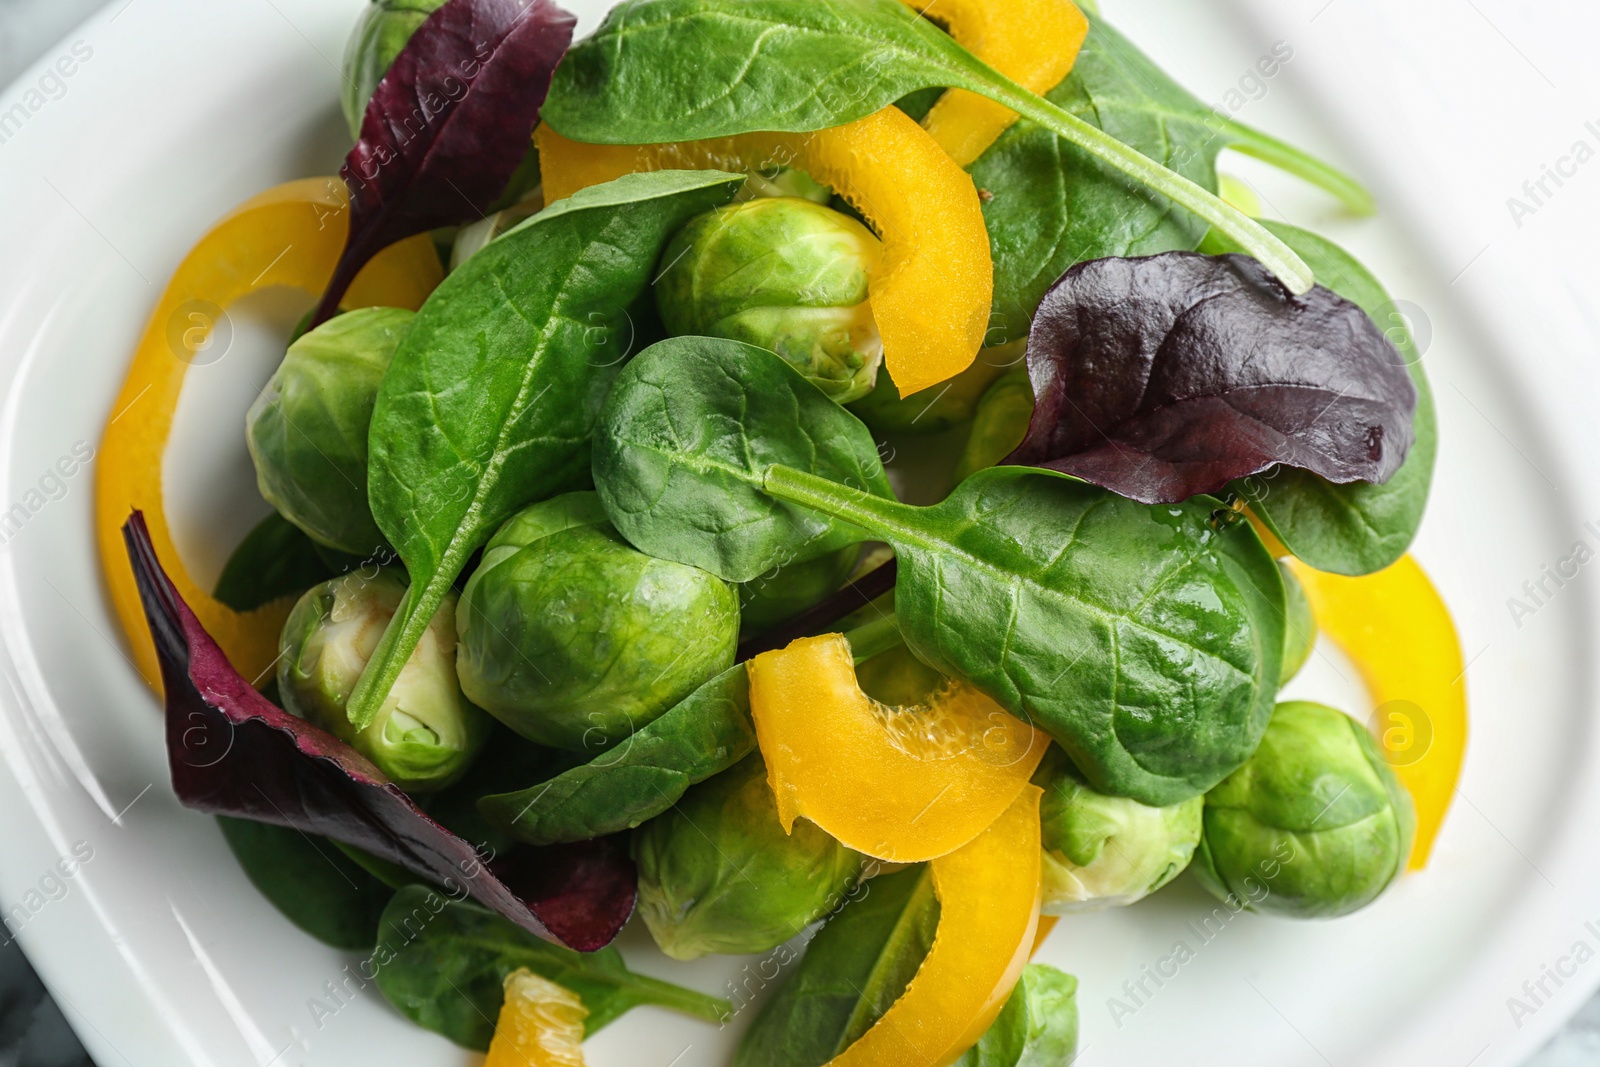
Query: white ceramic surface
(161, 954)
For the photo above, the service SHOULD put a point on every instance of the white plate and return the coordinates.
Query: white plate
(161, 954)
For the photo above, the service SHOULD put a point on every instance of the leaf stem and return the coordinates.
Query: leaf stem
(1276, 256)
(666, 995)
(886, 519)
(1252, 142)
(871, 638)
(399, 640)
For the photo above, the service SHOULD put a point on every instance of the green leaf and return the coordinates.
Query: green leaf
(853, 970)
(441, 963)
(1038, 1027)
(673, 70)
(685, 438)
(310, 881)
(704, 734)
(1054, 205)
(491, 398)
(1359, 527)
(274, 560)
(1147, 640)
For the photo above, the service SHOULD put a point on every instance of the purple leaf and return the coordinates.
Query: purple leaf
(1165, 377)
(448, 124)
(234, 752)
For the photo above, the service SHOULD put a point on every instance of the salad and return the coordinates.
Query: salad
(593, 588)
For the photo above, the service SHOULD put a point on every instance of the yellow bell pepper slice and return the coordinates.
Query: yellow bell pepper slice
(900, 784)
(1032, 42)
(988, 918)
(931, 293)
(1396, 628)
(290, 235)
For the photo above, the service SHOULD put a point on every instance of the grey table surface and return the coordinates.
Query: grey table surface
(33, 1032)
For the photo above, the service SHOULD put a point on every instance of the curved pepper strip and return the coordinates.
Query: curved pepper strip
(902, 785)
(1397, 629)
(988, 918)
(290, 235)
(1032, 42)
(931, 293)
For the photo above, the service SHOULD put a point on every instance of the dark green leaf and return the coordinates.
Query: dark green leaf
(441, 963)
(1038, 1027)
(274, 560)
(1360, 527)
(638, 779)
(853, 970)
(491, 398)
(310, 881)
(685, 437)
(1147, 640)
(671, 70)
(1053, 204)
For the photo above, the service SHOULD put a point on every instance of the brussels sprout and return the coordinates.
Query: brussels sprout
(574, 639)
(1106, 852)
(718, 874)
(784, 273)
(771, 598)
(1300, 631)
(307, 431)
(379, 34)
(786, 181)
(999, 424)
(940, 407)
(1315, 825)
(426, 733)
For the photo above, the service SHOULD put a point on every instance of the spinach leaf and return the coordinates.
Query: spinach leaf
(674, 70)
(491, 397)
(704, 734)
(1038, 1027)
(1166, 376)
(1147, 640)
(310, 881)
(679, 468)
(1360, 527)
(1052, 205)
(853, 970)
(441, 964)
(275, 559)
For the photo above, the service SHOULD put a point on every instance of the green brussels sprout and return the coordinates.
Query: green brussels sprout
(999, 424)
(940, 407)
(783, 273)
(718, 874)
(785, 181)
(307, 431)
(1315, 825)
(574, 639)
(426, 733)
(897, 678)
(791, 589)
(1106, 852)
(1300, 631)
(379, 34)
